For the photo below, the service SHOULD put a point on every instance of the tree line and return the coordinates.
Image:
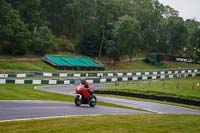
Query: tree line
(111, 28)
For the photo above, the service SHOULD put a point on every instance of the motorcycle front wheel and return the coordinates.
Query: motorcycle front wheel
(78, 101)
(93, 101)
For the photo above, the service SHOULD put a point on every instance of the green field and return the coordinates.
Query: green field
(139, 64)
(16, 66)
(108, 124)
(188, 88)
(155, 101)
(27, 92)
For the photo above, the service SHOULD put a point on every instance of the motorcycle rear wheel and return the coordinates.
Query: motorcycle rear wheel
(78, 101)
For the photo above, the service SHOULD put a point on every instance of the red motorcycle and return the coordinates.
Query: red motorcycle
(85, 96)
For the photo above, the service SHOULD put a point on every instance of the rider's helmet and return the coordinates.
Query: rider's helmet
(83, 81)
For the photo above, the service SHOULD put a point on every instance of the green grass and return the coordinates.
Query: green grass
(9, 57)
(139, 64)
(155, 101)
(107, 124)
(25, 66)
(29, 66)
(185, 89)
(16, 66)
(36, 56)
(27, 92)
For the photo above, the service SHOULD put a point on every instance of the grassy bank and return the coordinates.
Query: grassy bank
(155, 101)
(27, 92)
(185, 88)
(17, 66)
(38, 65)
(139, 64)
(108, 124)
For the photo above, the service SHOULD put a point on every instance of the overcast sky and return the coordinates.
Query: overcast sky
(187, 9)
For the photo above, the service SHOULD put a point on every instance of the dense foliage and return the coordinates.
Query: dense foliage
(113, 28)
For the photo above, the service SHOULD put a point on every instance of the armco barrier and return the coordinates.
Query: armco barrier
(20, 81)
(98, 80)
(101, 74)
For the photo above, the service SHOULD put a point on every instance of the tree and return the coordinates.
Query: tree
(178, 35)
(162, 37)
(14, 34)
(29, 11)
(195, 44)
(69, 17)
(169, 12)
(149, 14)
(53, 11)
(89, 41)
(42, 40)
(127, 35)
(113, 51)
(107, 13)
(103, 27)
(192, 27)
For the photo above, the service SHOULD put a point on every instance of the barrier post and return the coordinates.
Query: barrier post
(178, 76)
(163, 83)
(193, 85)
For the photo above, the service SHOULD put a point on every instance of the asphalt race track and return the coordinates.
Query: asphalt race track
(23, 109)
(149, 106)
(26, 109)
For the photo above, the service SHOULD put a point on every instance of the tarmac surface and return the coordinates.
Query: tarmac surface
(149, 106)
(28, 109)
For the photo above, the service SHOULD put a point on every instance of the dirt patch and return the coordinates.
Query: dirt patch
(21, 59)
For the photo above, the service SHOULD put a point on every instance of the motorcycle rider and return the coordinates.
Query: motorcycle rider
(85, 91)
(85, 83)
(85, 94)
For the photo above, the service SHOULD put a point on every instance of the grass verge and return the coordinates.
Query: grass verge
(107, 124)
(27, 92)
(189, 88)
(139, 64)
(24, 66)
(155, 101)
(16, 66)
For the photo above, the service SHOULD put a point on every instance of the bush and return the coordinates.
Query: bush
(62, 44)
(43, 40)
(14, 35)
(153, 60)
